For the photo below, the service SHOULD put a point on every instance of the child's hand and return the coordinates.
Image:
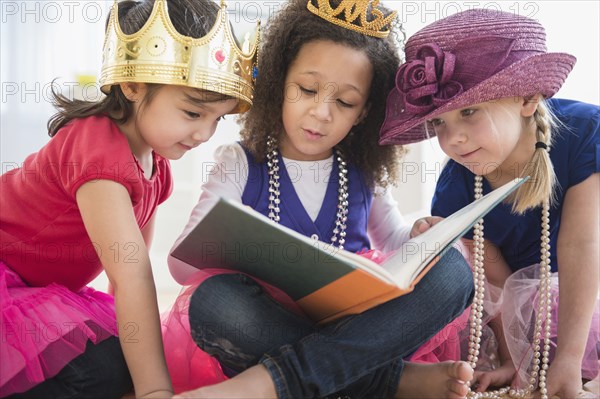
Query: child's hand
(500, 377)
(423, 224)
(564, 378)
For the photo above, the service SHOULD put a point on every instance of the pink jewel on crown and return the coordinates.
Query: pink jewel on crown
(220, 56)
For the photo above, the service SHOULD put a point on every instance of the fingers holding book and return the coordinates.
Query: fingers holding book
(423, 224)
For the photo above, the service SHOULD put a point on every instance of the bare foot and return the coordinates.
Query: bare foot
(255, 383)
(435, 381)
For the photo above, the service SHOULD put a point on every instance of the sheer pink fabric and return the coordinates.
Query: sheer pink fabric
(44, 328)
(519, 309)
(518, 303)
(189, 366)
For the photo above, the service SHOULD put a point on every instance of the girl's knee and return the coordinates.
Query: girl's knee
(456, 274)
(218, 289)
(218, 295)
(226, 302)
(113, 375)
(101, 371)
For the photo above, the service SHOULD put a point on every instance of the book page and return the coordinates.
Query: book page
(415, 254)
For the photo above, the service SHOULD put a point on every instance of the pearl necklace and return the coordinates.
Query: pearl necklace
(274, 193)
(541, 323)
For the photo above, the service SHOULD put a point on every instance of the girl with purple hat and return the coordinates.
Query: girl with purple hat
(481, 81)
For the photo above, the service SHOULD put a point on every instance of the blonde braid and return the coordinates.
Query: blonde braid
(542, 177)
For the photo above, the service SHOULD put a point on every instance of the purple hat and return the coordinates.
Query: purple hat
(469, 58)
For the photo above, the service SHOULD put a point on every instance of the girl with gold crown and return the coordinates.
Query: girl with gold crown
(309, 160)
(86, 202)
(481, 81)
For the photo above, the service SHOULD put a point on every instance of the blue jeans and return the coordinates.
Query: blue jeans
(232, 318)
(98, 373)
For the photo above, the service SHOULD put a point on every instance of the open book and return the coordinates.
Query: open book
(325, 281)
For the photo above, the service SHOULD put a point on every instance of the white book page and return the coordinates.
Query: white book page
(415, 254)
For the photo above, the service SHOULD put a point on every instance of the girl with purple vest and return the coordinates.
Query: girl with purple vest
(308, 149)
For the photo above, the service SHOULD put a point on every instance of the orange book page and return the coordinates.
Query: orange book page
(351, 294)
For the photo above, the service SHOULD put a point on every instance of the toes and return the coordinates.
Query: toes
(456, 389)
(460, 371)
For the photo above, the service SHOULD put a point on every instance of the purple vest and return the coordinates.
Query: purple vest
(293, 215)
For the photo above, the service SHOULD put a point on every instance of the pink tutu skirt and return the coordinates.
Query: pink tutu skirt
(519, 307)
(518, 304)
(446, 344)
(44, 328)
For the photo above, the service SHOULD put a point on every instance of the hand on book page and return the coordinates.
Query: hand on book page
(426, 248)
(423, 224)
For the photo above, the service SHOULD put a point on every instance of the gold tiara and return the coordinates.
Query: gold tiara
(355, 16)
(157, 53)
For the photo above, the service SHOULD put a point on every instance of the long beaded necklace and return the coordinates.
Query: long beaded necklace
(541, 323)
(274, 193)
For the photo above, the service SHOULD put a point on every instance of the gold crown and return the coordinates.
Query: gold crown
(157, 53)
(355, 16)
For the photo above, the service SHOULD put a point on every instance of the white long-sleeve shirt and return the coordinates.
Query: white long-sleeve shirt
(386, 227)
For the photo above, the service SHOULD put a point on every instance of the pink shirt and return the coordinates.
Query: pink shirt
(42, 236)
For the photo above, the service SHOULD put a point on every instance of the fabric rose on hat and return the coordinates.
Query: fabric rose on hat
(426, 82)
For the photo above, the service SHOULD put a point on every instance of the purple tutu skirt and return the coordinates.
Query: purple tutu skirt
(44, 328)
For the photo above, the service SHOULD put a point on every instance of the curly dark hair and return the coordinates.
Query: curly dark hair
(286, 32)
